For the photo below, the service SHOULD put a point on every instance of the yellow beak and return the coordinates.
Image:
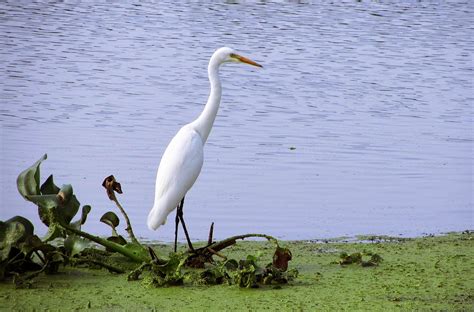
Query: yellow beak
(246, 60)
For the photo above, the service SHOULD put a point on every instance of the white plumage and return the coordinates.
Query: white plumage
(183, 158)
(179, 168)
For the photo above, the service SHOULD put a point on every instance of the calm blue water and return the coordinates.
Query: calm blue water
(375, 98)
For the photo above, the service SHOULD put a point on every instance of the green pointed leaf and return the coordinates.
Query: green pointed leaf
(85, 211)
(75, 244)
(49, 187)
(28, 181)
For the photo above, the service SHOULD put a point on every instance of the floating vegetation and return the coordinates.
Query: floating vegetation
(365, 259)
(23, 255)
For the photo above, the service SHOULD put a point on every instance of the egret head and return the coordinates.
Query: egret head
(228, 55)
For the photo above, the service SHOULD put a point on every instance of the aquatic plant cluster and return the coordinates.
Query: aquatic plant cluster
(23, 255)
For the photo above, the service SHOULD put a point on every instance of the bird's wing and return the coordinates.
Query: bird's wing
(179, 168)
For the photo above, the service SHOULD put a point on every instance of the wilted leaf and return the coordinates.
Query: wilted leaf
(112, 186)
(281, 258)
(28, 181)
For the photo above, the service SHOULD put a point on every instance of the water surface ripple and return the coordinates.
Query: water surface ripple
(359, 122)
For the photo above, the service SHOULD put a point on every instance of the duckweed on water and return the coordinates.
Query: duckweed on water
(429, 273)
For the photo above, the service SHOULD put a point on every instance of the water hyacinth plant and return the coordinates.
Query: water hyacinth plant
(24, 255)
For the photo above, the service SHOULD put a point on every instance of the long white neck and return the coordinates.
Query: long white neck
(203, 124)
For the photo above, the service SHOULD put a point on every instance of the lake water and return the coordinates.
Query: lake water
(361, 120)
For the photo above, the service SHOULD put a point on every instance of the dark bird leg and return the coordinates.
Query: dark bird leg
(176, 229)
(179, 214)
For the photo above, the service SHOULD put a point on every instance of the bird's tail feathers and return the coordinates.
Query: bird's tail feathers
(156, 218)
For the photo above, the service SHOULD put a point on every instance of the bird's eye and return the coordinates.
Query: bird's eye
(233, 55)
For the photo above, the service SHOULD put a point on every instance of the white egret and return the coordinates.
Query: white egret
(182, 160)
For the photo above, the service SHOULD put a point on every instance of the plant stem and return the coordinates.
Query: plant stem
(111, 245)
(129, 226)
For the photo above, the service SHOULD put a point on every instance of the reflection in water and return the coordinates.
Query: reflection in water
(360, 122)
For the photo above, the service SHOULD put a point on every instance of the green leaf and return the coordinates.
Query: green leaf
(10, 234)
(75, 244)
(13, 233)
(44, 201)
(29, 228)
(118, 239)
(231, 264)
(49, 187)
(137, 249)
(69, 205)
(85, 211)
(345, 258)
(66, 203)
(111, 219)
(54, 231)
(246, 277)
(28, 181)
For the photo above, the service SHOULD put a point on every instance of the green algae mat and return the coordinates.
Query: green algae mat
(428, 273)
